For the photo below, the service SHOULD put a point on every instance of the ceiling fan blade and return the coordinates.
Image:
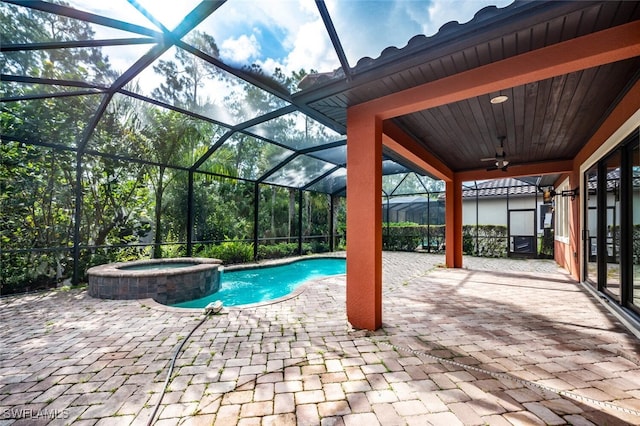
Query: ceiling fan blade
(504, 169)
(488, 159)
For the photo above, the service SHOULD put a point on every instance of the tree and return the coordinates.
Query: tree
(37, 198)
(184, 77)
(169, 136)
(115, 193)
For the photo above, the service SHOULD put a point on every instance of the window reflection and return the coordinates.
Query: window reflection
(612, 244)
(635, 295)
(591, 226)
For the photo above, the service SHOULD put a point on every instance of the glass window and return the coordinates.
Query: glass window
(591, 225)
(563, 212)
(635, 206)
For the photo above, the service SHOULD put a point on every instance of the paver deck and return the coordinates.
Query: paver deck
(487, 344)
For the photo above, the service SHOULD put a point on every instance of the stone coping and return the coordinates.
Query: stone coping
(116, 269)
(283, 261)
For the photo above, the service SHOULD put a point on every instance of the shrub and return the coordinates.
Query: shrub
(229, 252)
(173, 250)
(491, 240)
(280, 250)
(408, 236)
(319, 247)
(276, 251)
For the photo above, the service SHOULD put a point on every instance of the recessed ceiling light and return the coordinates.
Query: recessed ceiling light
(499, 99)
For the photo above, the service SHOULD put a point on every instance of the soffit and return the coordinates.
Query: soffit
(546, 120)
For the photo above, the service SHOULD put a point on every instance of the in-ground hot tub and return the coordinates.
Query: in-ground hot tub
(167, 281)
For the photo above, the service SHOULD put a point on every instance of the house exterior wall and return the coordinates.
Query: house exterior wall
(621, 122)
(495, 211)
(490, 211)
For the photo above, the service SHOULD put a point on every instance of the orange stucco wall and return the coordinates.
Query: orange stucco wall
(453, 219)
(364, 221)
(568, 255)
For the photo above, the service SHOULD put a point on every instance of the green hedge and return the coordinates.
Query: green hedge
(279, 250)
(407, 236)
(241, 252)
(492, 240)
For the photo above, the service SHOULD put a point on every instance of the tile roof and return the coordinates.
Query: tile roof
(499, 188)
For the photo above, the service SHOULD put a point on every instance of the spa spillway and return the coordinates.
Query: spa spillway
(166, 281)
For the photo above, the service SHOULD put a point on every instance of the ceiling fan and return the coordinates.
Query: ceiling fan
(500, 159)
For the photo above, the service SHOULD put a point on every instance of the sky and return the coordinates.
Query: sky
(290, 34)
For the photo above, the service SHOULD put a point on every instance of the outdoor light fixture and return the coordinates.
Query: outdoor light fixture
(570, 193)
(548, 193)
(499, 99)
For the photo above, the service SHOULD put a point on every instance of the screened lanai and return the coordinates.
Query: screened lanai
(137, 126)
(133, 129)
(246, 129)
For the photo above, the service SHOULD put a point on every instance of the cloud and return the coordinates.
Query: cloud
(441, 12)
(367, 27)
(285, 34)
(240, 50)
(310, 49)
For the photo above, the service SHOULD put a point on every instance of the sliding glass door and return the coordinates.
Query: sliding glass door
(634, 298)
(612, 224)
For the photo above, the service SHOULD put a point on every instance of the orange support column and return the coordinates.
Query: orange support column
(364, 220)
(453, 223)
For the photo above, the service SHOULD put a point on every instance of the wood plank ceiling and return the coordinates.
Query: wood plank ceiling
(542, 121)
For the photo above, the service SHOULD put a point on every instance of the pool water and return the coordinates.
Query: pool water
(157, 266)
(255, 285)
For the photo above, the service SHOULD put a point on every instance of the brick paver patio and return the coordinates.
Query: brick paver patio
(523, 328)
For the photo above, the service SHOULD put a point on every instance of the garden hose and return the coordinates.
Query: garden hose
(212, 308)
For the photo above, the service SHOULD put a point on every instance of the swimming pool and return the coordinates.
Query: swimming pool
(261, 284)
